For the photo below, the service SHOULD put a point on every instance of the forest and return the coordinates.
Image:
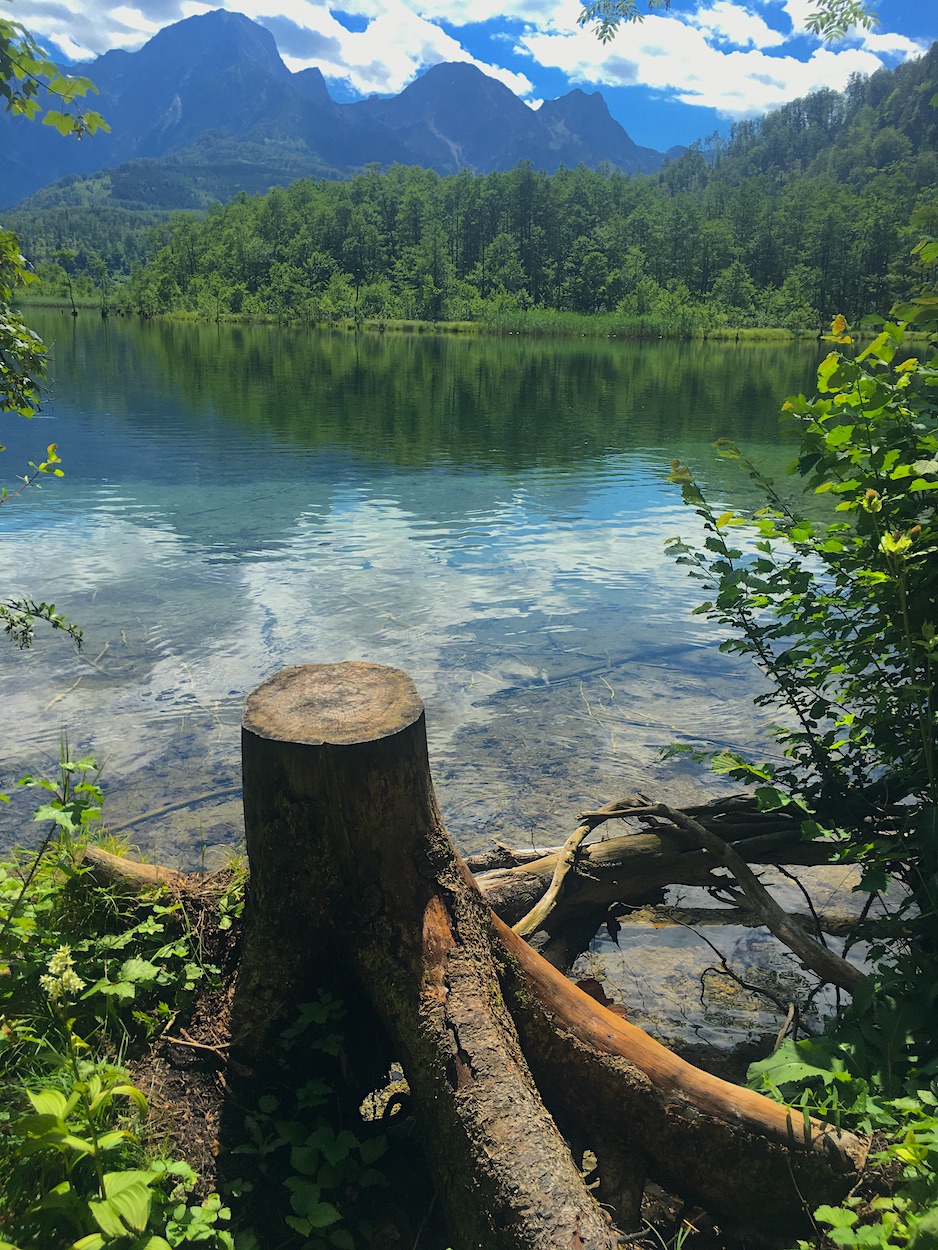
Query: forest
(797, 216)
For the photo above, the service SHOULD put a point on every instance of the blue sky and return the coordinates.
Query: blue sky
(669, 79)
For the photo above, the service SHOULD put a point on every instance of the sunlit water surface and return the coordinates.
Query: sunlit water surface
(487, 514)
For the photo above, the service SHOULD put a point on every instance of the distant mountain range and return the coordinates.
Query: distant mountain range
(210, 107)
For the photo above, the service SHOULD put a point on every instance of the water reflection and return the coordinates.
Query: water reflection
(487, 514)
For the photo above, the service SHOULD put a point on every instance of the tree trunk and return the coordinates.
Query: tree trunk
(351, 869)
(350, 865)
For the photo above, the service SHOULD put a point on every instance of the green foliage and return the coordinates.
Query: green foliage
(645, 255)
(84, 977)
(26, 77)
(26, 73)
(833, 19)
(609, 15)
(829, 19)
(816, 1076)
(21, 351)
(294, 1143)
(837, 605)
(19, 617)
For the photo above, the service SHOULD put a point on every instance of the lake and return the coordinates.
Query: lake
(488, 514)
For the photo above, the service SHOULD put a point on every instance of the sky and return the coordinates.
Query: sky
(669, 79)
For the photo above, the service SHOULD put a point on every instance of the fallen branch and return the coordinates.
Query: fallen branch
(628, 867)
(565, 861)
(827, 965)
(127, 875)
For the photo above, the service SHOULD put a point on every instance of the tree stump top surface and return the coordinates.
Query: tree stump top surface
(335, 704)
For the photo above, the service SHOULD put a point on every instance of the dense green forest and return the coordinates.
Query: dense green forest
(795, 217)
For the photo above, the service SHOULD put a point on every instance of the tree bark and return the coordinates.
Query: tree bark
(351, 868)
(753, 1163)
(350, 865)
(628, 867)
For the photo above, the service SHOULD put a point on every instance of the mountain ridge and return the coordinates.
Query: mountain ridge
(221, 72)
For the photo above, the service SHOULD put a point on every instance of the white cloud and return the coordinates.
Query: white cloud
(724, 54)
(891, 44)
(388, 54)
(677, 58)
(732, 23)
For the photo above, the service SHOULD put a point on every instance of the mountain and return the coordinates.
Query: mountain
(582, 123)
(217, 80)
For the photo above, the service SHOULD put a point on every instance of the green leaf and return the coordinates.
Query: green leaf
(373, 1149)
(770, 798)
(50, 1102)
(305, 1159)
(135, 1095)
(139, 970)
(924, 1231)
(127, 1203)
(305, 1195)
(837, 1217)
(787, 1065)
(323, 1215)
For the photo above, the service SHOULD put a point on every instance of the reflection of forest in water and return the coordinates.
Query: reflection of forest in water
(409, 399)
(487, 513)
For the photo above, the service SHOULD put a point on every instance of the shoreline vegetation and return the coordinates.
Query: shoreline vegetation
(807, 214)
(530, 324)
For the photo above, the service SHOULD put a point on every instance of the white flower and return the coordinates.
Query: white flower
(61, 981)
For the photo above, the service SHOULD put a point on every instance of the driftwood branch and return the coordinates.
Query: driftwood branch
(624, 868)
(566, 858)
(827, 965)
(127, 875)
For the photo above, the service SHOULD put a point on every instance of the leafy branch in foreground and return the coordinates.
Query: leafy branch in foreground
(837, 604)
(828, 19)
(836, 601)
(26, 71)
(27, 76)
(19, 617)
(610, 14)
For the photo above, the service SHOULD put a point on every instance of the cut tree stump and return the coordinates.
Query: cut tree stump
(353, 878)
(350, 864)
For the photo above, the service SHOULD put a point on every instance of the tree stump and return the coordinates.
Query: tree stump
(353, 876)
(350, 865)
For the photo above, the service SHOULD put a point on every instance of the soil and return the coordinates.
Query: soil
(183, 1072)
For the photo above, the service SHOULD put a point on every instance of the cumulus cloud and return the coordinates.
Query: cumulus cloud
(740, 57)
(684, 61)
(734, 24)
(395, 46)
(300, 43)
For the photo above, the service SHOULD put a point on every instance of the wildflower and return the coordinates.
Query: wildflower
(872, 501)
(61, 981)
(895, 544)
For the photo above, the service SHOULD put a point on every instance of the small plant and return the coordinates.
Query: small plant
(294, 1141)
(74, 1170)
